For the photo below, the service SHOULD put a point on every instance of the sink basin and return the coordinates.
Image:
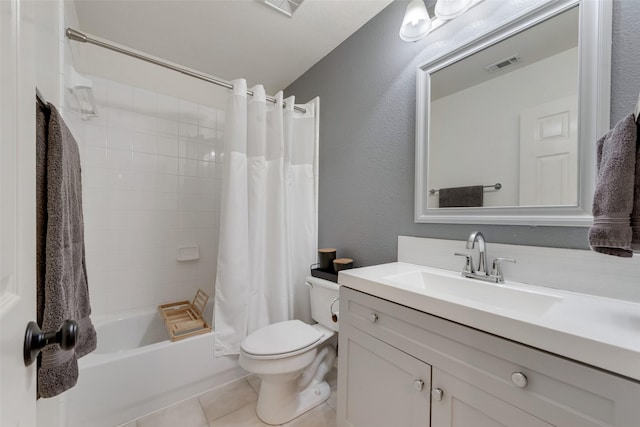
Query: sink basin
(453, 287)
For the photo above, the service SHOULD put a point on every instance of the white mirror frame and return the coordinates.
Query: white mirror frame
(594, 97)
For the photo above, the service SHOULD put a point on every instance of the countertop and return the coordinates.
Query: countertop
(598, 331)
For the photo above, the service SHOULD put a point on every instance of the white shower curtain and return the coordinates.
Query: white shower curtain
(268, 214)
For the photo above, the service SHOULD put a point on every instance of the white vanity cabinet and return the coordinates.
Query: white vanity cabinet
(400, 367)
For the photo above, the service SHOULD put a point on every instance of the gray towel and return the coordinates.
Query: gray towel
(635, 214)
(613, 198)
(62, 287)
(461, 197)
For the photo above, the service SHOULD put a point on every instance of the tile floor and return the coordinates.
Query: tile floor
(234, 405)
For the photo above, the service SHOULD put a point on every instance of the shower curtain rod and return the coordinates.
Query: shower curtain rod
(84, 38)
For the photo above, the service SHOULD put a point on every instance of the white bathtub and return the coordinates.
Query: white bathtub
(136, 370)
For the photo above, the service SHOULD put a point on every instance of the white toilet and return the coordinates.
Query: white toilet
(292, 358)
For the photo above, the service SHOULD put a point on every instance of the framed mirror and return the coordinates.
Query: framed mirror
(507, 124)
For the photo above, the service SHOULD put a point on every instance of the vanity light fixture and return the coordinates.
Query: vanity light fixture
(417, 23)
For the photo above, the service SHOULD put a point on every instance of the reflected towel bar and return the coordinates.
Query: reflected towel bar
(495, 186)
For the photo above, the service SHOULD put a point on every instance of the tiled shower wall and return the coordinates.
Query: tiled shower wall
(151, 169)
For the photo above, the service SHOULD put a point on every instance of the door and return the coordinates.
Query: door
(381, 386)
(549, 154)
(17, 210)
(460, 404)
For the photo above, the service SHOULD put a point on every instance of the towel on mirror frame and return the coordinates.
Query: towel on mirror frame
(461, 197)
(62, 287)
(616, 204)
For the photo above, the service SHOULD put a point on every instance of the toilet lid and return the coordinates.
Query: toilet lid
(280, 338)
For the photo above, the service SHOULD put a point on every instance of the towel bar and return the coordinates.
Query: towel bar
(495, 186)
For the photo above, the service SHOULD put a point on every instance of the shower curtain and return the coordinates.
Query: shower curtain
(268, 214)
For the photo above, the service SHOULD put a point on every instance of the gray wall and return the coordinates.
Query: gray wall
(367, 121)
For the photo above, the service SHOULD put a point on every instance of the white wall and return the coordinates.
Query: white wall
(492, 155)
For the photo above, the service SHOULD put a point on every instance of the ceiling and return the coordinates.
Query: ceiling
(230, 38)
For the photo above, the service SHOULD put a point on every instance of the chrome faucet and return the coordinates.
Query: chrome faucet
(481, 272)
(477, 236)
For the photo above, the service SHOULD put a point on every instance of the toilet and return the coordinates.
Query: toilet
(292, 358)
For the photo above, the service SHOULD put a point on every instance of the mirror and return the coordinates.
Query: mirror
(507, 124)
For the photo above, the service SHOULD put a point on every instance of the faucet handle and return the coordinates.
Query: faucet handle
(496, 271)
(468, 266)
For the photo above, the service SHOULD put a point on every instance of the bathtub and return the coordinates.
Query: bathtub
(136, 370)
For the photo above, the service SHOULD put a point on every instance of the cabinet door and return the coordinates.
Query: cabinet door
(460, 404)
(380, 386)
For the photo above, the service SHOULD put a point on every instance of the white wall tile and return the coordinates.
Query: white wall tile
(188, 112)
(188, 167)
(95, 135)
(166, 164)
(168, 183)
(148, 178)
(119, 139)
(187, 219)
(121, 179)
(189, 150)
(145, 102)
(144, 123)
(207, 116)
(95, 157)
(144, 143)
(168, 146)
(220, 119)
(119, 95)
(144, 181)
(168, 108)
(188, 185)
(167, 219)
(188, 132)
(167, 201)
(167, 127)
(119, 159)
(144, 162)
(206, 169)
(119, 118)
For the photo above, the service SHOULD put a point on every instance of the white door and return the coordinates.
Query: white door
(17, 210)
(549, 154)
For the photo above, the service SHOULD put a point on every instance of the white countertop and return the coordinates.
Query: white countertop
(598, 331)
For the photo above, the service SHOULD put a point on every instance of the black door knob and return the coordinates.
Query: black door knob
(35, 340)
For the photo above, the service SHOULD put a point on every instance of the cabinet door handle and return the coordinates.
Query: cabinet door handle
(436, 394)
(418, 385)
(519, 379)
(373, 317)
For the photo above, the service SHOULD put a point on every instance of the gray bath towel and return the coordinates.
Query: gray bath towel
(635, 214)
(63, 291)
(613, 198)
(461, 197)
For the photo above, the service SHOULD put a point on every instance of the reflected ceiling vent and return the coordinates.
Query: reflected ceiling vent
(288, 7)
(503, 63)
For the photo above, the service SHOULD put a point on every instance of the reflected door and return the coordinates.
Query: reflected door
(549, 154)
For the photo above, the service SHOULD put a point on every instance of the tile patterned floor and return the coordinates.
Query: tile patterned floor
(234, 405)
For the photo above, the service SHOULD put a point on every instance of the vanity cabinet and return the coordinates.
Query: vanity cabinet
(402, 367)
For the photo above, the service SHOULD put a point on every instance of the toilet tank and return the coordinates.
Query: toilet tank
(322, 294)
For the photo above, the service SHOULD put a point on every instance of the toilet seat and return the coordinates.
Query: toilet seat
(279, 340)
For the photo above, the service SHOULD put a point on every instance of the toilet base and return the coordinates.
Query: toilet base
(279, 403)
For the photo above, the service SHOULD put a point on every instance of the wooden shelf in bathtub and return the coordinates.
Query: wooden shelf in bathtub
(183, 319)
